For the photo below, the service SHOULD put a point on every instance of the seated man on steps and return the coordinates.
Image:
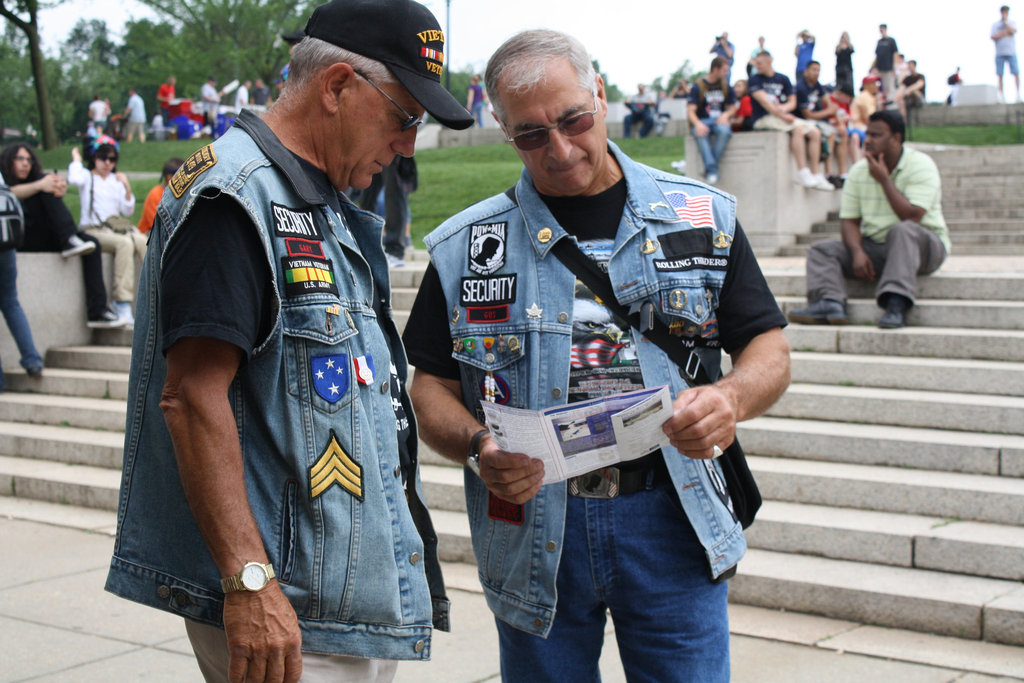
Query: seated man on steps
(892, 230)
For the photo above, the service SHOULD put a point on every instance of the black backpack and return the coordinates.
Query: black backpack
(12, 220)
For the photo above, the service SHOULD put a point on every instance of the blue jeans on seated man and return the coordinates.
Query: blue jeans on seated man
(711, 151)
(638, 557)
(14, 314)
(645, 117)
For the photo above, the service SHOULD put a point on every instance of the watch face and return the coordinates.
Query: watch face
(254, 577)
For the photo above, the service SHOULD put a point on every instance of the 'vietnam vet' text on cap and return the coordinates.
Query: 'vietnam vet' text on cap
(401, 34)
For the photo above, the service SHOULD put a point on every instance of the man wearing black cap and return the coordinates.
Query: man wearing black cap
(270, 492)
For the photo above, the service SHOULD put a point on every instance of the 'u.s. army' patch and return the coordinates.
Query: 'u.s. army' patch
(335, 467)
(308, 276)
(201, 161)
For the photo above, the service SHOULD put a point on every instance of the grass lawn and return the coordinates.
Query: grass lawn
(966, 135)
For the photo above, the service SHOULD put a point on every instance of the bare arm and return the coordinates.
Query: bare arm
(51, 182)
(706, 416)
(447, 427)
(901, 206)
(262, 630)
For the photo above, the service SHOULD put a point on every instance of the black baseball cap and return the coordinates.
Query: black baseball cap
(401, 34)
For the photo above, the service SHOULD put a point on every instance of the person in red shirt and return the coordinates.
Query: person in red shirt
(153, 198)
(741, 117)
(164, 95)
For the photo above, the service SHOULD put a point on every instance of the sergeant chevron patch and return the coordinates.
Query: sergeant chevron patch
(335, 467)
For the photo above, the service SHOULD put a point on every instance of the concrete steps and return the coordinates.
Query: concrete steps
(1004, 315)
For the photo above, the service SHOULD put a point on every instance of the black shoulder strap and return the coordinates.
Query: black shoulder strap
(656, 331)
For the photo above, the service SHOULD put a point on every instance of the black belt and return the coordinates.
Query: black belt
(611, 482)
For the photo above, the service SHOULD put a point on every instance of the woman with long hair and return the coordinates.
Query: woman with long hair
(844, 62)
(49, 226)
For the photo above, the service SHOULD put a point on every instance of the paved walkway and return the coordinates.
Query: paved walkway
(57, 624)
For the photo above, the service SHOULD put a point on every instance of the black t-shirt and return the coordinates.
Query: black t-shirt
(746, 305)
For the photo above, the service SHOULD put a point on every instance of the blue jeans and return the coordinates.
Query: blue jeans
(14, 314)
(646, 117)
(638, 557)
(710, 151)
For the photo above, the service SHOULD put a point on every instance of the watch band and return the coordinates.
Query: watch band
(473, 459)
(233, 583)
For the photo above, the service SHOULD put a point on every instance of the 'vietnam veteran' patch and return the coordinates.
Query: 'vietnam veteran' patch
(335, 467)
(201, 161)
(308, 276)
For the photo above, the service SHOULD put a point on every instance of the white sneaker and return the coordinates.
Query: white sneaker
(822, 183)
(711, 178)
(680, 166)
(805, 178)
(395, 262)
(77, 246)
(124, 313)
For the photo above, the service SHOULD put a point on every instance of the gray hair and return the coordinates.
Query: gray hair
(520, 63)
(311, 55)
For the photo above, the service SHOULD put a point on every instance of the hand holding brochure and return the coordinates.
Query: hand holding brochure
(581, 437)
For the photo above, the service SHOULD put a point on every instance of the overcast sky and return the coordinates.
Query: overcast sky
(641, 40)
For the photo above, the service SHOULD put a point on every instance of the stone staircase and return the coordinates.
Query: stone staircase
(893, 468)
(981, 201)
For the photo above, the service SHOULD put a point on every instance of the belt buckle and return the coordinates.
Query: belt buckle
(602, 483)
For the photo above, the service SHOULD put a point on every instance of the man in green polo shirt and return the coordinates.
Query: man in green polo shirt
(891, 225)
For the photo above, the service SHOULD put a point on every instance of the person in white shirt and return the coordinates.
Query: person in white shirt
(211, 100)
(105, 192)
(1004, 35)
(99, 110)
(242, 96)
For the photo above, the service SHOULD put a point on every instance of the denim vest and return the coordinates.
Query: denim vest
(502, 283)
(355, 553)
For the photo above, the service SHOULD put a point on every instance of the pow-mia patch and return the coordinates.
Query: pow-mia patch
(308, 276)
(487, 247)
(330, 376)
(497, 289)
(487, 314)
(504, 511)
(692, 263)
(295, 223)
(300, 247)
(201, 160)
(335, 467)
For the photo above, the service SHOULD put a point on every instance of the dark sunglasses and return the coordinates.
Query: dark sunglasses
(538, 137)
(113, 159)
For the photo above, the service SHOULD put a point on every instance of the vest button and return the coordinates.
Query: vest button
(563, 317)
(538, 623)
(556, 392)
(398, 470)
(414, 558)
(384, 386)
(551, 546)
(163, 592)
(418, 647)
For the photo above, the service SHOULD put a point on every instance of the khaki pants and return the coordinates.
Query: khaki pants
(211, 648)
(909, 250)
(124, 247)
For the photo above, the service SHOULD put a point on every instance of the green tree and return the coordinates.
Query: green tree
(24, 14)
(233, 38)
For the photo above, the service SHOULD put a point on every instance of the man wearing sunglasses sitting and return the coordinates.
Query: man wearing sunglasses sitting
(500, 318)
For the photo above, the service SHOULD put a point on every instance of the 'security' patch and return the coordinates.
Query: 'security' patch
(504, 511)
(308, 276)
(692, 263)
(330, 376)
(335, 467)
(201, 160)
(487, 314)
(300, 247)
(496, 289)
(295, 223)
(487, 247)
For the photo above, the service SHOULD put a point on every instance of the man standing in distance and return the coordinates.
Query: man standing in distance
(500, 317)
(270, 492)
(1004, 35)
(885, 57)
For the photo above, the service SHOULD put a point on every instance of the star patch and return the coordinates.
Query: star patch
(330, 376)
(335, 467)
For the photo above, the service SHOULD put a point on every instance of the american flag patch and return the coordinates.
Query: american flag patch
(432, 54)
(696, 210)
